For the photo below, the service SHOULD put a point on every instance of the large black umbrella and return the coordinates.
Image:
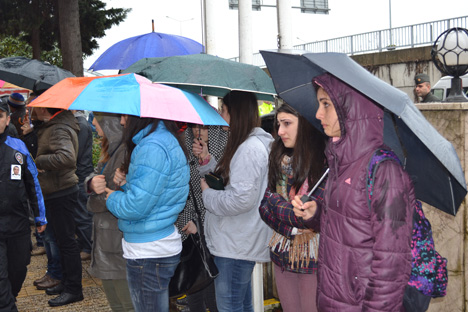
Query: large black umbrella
(429, 158)
(31, 74)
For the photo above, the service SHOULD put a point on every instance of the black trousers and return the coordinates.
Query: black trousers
(15, 255)
(60, 215)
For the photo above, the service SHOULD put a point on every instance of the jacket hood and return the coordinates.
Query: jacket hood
(361, 120)
(263, 136)
(64, 117)
(110, 125)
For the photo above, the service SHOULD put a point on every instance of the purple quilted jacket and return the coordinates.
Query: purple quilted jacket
(364, 254)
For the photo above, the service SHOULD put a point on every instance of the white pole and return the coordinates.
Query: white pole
(245, 31)
(246, 56)
(211, 14)
(285, 36)
(257, 287)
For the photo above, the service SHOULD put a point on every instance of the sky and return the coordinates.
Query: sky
(346, 17)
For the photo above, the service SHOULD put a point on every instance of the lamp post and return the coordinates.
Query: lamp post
(180, 22)
(450, 56)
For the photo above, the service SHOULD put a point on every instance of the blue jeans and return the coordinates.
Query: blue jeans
(233, 286)
(148, 281)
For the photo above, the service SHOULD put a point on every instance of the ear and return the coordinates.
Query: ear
(8, 120)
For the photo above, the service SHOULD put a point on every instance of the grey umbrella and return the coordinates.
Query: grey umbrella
(31, 74)
(429, 158)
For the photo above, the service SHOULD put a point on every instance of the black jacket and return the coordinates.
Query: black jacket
(84, 162)
(16, 190)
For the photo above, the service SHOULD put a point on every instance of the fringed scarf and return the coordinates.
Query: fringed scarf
(303, 247)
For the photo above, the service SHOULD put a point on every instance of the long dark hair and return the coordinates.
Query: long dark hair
(308, 153)
(243, 111)
(135, 124)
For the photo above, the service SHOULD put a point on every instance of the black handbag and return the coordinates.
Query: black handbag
(196, 269)
(214, 181)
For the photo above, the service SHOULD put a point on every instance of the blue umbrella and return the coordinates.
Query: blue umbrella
(128, 51)
(429, 158)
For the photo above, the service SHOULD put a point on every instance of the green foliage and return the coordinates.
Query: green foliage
(13, 46)
(96, 150)
(21, 18)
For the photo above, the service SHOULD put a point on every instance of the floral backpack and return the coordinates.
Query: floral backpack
(428, 277)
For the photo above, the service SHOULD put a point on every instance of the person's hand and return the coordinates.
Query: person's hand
(203, 184)
(98, 184)
(304, 231)
(304, 210)
(108, 191)
(40, 170)
(200, 149)
(26, 127)
(190, 228)
(41, 228)
(119, 177)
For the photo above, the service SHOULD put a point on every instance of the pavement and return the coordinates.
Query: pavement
(30, 299)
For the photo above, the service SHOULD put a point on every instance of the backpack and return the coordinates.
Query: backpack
(428, 277)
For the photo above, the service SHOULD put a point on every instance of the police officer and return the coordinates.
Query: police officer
(423, 89)
(18, 182)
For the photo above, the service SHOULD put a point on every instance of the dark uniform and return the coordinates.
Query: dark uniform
(18, 184)
(422, 78)
(430, 98)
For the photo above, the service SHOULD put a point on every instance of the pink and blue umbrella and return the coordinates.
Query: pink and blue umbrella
(129, 94)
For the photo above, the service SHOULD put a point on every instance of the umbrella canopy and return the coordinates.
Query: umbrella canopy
(206, 74)
(30, 73)
(428, 157)
(129, 94)
(126, 52)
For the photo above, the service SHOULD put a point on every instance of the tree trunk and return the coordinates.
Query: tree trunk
(35, 43)
(70, 36)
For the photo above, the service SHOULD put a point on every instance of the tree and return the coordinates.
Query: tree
(13, 46)
(37, 23)
(70, 36)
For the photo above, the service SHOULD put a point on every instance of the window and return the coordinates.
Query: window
(314, 6)
(256, 5)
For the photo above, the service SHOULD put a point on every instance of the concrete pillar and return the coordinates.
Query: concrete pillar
(257, 287)
(245, 31)
(246, 56)
(211, 15)
(285, 33)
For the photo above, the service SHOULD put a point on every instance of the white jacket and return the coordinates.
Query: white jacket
(233, 226)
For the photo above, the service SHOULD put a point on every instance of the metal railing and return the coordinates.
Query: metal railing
(377, 41)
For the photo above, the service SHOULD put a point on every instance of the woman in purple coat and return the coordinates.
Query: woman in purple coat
(364, 252)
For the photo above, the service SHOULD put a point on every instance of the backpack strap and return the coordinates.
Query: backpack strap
(380, 155)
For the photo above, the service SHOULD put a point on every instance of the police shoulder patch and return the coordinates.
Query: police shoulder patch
(19, 158)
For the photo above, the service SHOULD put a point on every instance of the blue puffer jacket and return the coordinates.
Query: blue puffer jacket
(156, 189)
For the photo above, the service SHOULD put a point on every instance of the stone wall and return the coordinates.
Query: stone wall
(399, 67)
(450, 233)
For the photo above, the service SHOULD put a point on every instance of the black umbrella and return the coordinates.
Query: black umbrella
(31, 74)
(429, 158)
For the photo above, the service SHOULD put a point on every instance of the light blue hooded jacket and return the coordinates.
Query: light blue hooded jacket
(156, 189)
